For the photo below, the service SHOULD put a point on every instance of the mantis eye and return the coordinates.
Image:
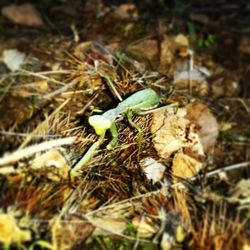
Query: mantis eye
(99, 123)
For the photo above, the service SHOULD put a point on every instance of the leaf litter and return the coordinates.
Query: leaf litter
(157, 201)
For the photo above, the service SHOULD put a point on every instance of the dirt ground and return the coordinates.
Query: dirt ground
(172, 77)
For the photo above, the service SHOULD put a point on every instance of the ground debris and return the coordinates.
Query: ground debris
(182, 184)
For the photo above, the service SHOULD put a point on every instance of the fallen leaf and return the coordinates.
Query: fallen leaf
(25, 14)
(152, 169)
(144, 50)
(52, 164)
(206, 124)
(169, 47)
(13, 59)
(182, 40)
(172, 132)
(166, 54)
(126, 11)
(185, 166)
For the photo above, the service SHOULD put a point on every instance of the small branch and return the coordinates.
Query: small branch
(228, 168)
(15, 156)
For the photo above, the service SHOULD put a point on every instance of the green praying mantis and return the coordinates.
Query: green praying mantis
(138, 102)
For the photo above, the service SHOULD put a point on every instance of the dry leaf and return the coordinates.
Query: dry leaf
(172, 132)
(52, 164)
(182, 40)
(206, 124)
(153, 170)
(167, 53)
(145, 50)
(169, 47)
(126, 11)
(25, 14)
(185, 166)
(13, 58)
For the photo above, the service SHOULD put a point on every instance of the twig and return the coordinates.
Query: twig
(41, 76)
(19, 154)
(60, 90)
(2, 132)
(228, 168)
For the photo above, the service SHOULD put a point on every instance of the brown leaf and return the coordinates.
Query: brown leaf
(144, 50)
(126, 11)
(169, 46)
(173, 132)
(52, 164)
(25, 14)
(206, 124)
(185, 166)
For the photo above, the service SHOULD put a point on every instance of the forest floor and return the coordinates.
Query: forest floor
(183, 182)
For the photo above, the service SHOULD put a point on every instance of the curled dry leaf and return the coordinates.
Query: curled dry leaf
(52, 164)
(205, 123)
(173, 131)
(25, 14)
(153, 170)
(185, 166)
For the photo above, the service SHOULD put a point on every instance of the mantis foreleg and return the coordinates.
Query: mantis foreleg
(87, 157)
(114, 134)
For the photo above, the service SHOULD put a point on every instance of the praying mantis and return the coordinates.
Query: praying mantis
(135, 104)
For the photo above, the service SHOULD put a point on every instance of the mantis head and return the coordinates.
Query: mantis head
(99, 123)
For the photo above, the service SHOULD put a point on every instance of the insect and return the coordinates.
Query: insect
(135, 104)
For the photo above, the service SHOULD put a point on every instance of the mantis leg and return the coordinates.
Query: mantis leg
(114, 134)
(87, 157)
(139, 138)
